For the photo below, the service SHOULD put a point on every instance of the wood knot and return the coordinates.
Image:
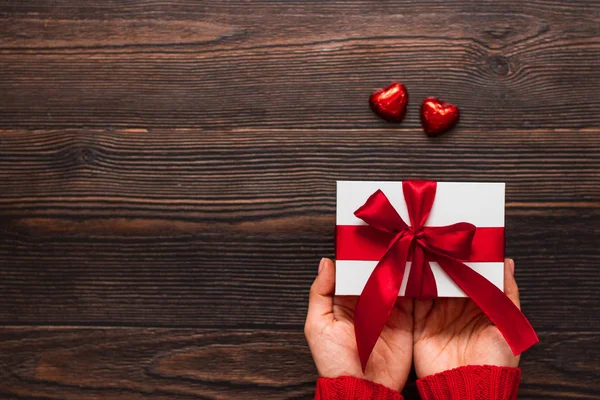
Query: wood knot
(499, 65)
(498, 32)
(85, 156)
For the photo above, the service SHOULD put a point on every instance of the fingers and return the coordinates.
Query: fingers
(510, 285)
(405, 304)
(320, 300)
(421, 309)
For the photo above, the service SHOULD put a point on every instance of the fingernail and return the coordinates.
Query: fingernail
(511, 265)
(321, 265)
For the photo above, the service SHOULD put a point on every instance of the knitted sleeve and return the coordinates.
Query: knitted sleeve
(349, 388)
(472, 382)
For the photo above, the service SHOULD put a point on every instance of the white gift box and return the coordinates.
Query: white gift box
(481, 204)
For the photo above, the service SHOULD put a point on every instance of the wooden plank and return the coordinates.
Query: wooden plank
(248, 275)
(191, 10)
(285, 64)
(219, 175)
(138, 363)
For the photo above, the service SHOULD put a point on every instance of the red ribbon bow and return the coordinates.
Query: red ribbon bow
(445, 245)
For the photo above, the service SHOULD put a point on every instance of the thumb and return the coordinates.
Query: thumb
(510, 284)
(320, 299)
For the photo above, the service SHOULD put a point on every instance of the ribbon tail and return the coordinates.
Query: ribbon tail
(379, 296)
(429, 287)
(421, 282)
(415, 276)
(503, 313)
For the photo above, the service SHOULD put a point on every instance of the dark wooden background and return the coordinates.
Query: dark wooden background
(168, 168)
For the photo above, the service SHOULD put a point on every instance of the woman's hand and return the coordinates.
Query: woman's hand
(453, 332)
(329, 330)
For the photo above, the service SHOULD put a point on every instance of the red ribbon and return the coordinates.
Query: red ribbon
(362, 242)
(446, 245)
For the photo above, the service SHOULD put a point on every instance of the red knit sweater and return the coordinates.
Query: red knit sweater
(473, 382)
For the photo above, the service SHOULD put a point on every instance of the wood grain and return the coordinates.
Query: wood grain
(168, 168)
(217, 277)
(279, 64)
(272, 173)
(225, 229)
(138, 363)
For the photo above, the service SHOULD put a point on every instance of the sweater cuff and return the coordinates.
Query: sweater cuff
(350, 388)
(472, 382)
